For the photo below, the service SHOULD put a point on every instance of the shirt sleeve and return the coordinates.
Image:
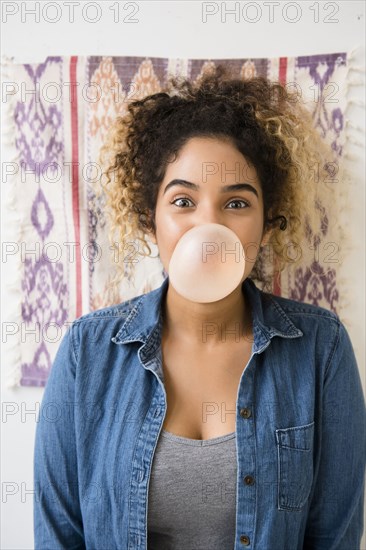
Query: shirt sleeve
(335, 520)
(57, 515)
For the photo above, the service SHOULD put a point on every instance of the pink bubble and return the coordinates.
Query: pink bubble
(207, 264)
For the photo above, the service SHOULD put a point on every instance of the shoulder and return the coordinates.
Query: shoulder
(297, 309)
(95, 329)
(315, 322)
(275, 307)
(116, 311)
(325, 338)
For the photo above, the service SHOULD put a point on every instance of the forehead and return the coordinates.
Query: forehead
(207, 158)
(206, 146)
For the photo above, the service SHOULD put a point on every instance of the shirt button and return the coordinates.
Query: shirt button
(245, 413)
(249, 480)
(244, 539)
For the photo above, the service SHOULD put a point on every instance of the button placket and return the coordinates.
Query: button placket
(248, 459)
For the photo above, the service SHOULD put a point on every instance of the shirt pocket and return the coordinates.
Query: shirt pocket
(295, 465)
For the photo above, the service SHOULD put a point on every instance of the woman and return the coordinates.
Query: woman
(173, 424)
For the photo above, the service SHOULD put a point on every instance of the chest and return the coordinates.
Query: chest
(201, 387)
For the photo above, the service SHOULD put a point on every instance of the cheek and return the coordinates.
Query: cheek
(250, 230)
(251, 244)
(169, 228)
(251, 251)
(168, 235)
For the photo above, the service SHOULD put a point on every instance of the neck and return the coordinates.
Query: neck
(207, 324)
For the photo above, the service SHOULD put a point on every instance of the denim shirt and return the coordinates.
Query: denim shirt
(300, 430)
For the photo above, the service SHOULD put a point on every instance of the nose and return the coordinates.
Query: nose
(209, 214)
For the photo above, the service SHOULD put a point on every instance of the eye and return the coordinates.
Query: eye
(246, 204)
(242, 201)
(179, 199)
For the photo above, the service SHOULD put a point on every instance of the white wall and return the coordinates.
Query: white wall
(170, 29)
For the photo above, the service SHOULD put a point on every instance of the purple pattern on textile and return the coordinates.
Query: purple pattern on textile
(313, 284)
(42, 121)
(44, 286)
(40, 145)
(321, 69)
(40, 202)
(36, 372)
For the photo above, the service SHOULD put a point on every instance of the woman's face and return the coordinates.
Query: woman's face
(209, 166)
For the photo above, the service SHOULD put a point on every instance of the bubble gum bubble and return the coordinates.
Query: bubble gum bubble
(207, 264)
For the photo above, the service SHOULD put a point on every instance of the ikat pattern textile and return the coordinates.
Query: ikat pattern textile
(57, 113)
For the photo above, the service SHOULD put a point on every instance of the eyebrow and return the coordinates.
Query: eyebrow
(225, 189)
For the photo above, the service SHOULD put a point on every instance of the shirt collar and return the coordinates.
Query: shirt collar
(143, 322)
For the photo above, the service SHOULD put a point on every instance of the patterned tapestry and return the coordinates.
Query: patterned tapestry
(55, 117)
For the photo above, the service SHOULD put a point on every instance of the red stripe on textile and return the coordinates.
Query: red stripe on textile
(277, 274)
(75, 179)
(283, 70)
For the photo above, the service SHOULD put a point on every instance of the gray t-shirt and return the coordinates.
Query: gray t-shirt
(192, 493)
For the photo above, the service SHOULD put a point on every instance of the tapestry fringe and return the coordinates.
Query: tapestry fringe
(13, 229)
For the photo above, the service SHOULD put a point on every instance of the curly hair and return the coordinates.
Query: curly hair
(264, 121)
